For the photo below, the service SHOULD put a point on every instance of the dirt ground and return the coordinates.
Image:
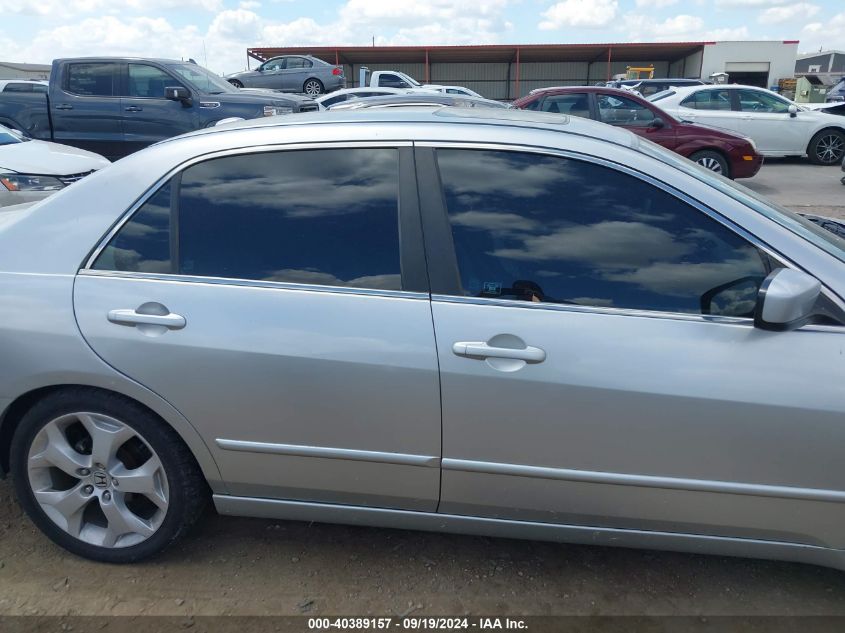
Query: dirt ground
(237, 566)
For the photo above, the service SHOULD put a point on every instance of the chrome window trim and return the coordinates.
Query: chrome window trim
(253, 283)
(252, 149)
(696, 204)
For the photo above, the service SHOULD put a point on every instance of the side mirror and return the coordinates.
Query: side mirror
(793, 111)
(786, 300)
(178, 93)
(657, 123)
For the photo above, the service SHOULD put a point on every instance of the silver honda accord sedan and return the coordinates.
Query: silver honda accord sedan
(483, 321)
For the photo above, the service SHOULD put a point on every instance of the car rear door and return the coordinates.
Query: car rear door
(85, 109)
(279, 301)
(295, 73)
(599, 364)
(712, 106)
(148, 116)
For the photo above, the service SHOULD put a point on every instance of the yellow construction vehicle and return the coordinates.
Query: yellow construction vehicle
(636, 72)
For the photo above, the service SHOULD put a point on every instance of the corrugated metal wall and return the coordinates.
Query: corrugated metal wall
(498, 80)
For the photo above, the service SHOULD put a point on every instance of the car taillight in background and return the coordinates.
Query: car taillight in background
(337, 70)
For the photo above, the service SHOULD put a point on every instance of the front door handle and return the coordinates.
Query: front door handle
(133, 109)
(64, 106)
(132, 317)
(481, 350)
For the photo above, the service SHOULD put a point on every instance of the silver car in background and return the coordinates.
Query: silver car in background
(469, 320)
(292, 73)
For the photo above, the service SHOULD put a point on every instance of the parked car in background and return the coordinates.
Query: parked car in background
(32, 170)
(648, 87)
(722, 151)
(837, 93)
(117, 105)
(23, 85)
(778, 126)
(454, 90)
(292, 73)
(397, 79)
(419, 100)
(349, 94)
(483, 321)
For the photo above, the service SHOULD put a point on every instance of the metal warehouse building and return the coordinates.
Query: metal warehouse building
(511, 71)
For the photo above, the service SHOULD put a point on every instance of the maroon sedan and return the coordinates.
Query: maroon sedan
(722, 151)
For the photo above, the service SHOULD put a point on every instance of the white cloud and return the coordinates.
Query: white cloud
(579, 13)
(62, 9)
(779, 15)
(231, 31)
(655, 4)
(643, 28)
(824, 35)
(733, 4)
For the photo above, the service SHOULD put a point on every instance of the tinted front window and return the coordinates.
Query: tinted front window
(326, 217)
(756, 101)
(709, 100)
(148, 81)
(548, 229)
(95, 79)
(618, 110)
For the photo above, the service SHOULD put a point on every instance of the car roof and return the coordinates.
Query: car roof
(423, 98)
(155, 60)
(495, 117)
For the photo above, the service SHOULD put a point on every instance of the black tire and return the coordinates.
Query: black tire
(712, 160)
(313, 87)
(827, 147)
(187, 489)
(235, 83)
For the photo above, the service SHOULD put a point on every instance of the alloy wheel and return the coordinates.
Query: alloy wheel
(830, 148)
(710, 163)
(313, 88)
(98, 480)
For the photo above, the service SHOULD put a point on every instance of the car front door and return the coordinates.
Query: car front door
(148, 116)
(636, 116)
(85, 111)
(270, 298)
(599, 363)
(766, 119)
(270, 75)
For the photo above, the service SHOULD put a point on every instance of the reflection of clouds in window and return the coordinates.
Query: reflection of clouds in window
(300, 187)
(687, 279)
(125, 259)
(604, 245)
(317, 278)
(586, 234)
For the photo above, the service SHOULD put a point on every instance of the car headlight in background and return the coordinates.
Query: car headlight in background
(274, 110)
(26, 182)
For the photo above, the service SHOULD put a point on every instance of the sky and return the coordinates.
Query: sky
(217, 33)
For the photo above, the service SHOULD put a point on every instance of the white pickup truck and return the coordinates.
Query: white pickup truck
(396, 79)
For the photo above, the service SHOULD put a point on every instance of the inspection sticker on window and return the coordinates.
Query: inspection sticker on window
(492, 288)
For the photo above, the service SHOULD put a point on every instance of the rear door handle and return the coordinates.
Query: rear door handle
(64, 106)
(133, 109)
(482, 350)
(131, 317)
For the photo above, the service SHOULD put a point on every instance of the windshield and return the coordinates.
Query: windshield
(203, 80)
(409, 79)
(9, 137)
(813, 233)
